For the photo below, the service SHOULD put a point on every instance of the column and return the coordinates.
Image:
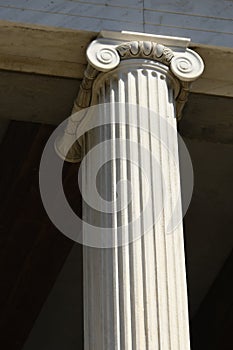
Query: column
(135, 295)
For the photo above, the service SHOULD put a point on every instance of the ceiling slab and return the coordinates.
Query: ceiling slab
(61, 52)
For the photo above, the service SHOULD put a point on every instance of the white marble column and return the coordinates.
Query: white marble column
(135, 295)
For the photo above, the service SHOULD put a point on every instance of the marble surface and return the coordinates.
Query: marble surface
(206, 22)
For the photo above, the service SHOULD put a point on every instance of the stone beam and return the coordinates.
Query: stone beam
(23, 50)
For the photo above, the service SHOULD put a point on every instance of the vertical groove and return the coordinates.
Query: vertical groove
(169, 237)
(134, 246)
(102, 251)
(163, 167)
(113, 136)
(151, 86)
(126, 339)
(178, 244)
(171, 140)
(146, 252)
(140, 190)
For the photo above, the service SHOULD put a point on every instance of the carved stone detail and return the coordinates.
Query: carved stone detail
(187, 66)
(182, 99)
(145, 49)
(104, 55)
(83, 100)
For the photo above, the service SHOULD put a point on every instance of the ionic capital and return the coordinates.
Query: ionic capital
(106, 53)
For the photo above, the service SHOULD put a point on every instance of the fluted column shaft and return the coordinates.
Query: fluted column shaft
(135, 294)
